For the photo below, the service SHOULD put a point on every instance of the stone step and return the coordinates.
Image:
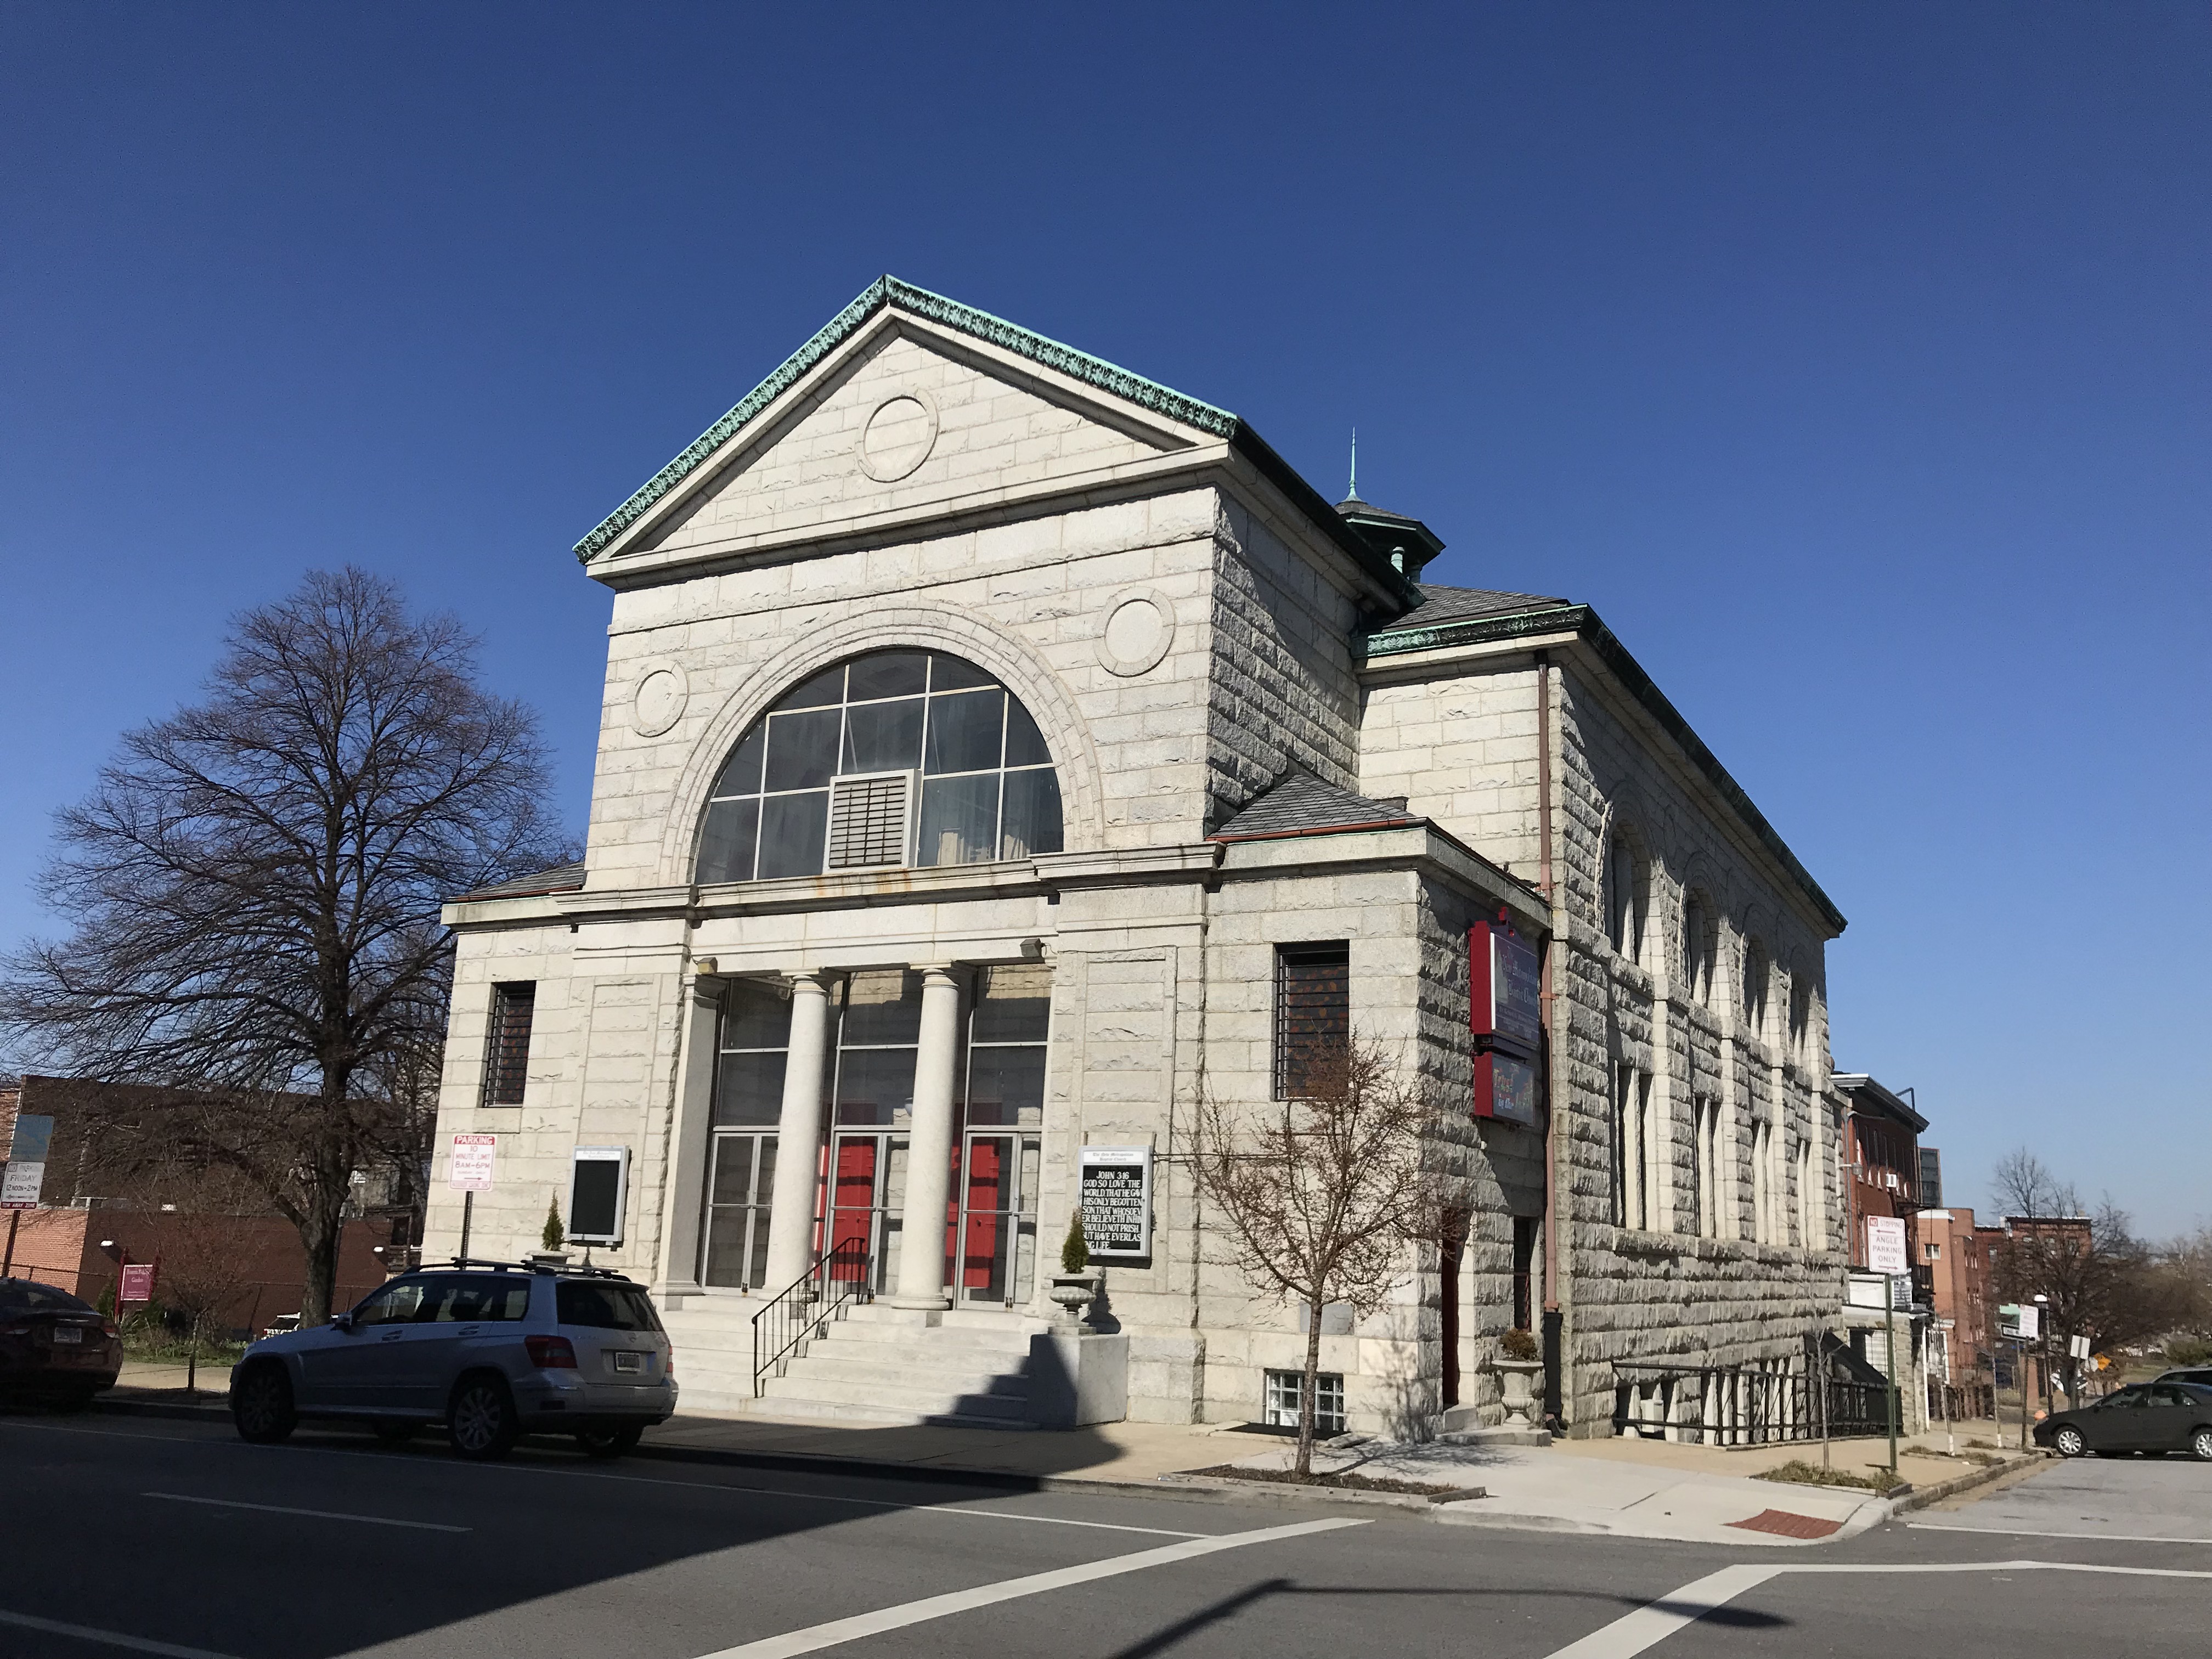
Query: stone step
(914, 1403)
(822, 1362)
(829, 1411)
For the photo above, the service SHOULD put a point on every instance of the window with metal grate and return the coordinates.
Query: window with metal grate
(1313, 1015)
(868, 821)
(507, 1057)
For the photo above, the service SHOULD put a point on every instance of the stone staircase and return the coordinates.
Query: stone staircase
(876, 1364)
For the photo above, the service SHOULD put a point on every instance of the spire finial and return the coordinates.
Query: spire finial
(1353, 491)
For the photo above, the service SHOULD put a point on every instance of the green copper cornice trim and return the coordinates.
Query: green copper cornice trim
(1582, 622)
(936, 308)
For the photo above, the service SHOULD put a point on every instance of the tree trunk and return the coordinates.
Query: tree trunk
(321, 1227)
(192, 1360)
(1307, 1393)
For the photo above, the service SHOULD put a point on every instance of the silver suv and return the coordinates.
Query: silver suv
(492, 1350)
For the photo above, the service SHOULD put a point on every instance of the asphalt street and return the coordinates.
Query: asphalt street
(132, 1535)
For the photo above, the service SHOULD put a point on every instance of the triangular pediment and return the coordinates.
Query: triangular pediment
(906, 404)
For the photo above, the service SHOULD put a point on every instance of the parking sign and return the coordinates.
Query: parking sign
(469, 1168)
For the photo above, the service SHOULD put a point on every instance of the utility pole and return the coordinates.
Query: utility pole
(1891, 1315)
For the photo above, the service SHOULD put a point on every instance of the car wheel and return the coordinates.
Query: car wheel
(261, 1406)
(2200, 1445)
(610, 1442)
(393, 1434)
(2070, 1443)
(482, 1418)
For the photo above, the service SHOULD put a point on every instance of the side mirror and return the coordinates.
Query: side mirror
(342, 1321)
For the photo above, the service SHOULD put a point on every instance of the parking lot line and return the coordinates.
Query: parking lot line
(837, 1631)
(105, 1638)
(319, 1515)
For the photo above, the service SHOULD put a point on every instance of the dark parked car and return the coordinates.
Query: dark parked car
(54, 1347)
(2146, 1417)
(491, 1350)
(2200, 1374)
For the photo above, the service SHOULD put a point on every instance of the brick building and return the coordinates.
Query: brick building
(996, 748)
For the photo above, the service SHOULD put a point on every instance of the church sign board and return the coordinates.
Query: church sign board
(1115, 1184)
(1505, 1017)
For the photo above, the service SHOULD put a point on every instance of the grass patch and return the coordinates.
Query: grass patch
(1346, 1482)
(1798, 1472)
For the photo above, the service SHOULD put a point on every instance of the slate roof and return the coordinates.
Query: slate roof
(561, 879)
(1303, 804)
(1445, 605)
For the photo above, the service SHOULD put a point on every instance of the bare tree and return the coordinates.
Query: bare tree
(1321, 1196)
(196, 1276)
(254, 887)
(2096, 1278)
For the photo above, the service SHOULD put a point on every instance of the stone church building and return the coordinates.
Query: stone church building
(999, 748)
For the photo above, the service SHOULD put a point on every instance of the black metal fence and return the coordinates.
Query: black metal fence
(1744, 1406)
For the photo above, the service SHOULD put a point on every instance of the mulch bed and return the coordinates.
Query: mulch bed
(1346, 1482)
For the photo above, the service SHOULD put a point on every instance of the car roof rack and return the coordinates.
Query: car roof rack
(571, 1272)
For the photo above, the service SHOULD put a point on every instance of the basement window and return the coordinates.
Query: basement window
(1285, 1393)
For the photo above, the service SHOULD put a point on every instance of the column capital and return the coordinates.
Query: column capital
(813, 981)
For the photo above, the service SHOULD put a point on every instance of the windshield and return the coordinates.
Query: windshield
(600, 1306)
(23, 1296)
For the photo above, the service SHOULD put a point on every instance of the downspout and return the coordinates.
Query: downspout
(1553, 1345)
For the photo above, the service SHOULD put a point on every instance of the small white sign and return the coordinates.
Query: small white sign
(469, 1169)
(2078, 1346)
(1886, 1244)
(2031, 1323)
(19, 1185)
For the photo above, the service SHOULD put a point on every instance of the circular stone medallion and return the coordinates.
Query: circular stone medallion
(657, 703)
(898, 436)
(1138, 629)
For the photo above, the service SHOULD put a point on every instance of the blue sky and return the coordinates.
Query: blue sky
(1851, 361)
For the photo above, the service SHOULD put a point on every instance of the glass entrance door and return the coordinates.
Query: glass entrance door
(867, 1199)
(738, 1185)
(998, 1217)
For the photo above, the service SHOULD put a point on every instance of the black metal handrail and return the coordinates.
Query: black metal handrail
(839, 1277)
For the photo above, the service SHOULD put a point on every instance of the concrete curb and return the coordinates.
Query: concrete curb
(1279, 1490)
(1919, 1497)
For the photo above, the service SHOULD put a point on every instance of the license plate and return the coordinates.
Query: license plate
(629, 1362)
(68, 1333)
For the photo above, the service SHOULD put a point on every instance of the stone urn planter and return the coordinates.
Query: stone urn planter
(1072, 1294)
(1518, 1378)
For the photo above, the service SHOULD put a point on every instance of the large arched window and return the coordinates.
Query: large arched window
(1756, 976)
(898, 758)
(1627, 880)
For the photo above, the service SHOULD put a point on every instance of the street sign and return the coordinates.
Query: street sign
(1900, 1292)
(469, 1168)
(1116, 1188)
(1885, 1245)
(25, 1174)
(137, 1282)
(2078, 1346)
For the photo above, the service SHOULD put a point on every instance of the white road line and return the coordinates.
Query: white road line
(655, 1481)
(108, 1637)
(2027, 1532)
(815, 1637)
(1653, 1622)
(319, 1515)
(1658, 1621)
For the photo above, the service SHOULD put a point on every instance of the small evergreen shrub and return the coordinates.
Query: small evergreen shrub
(554, 1236)
(1075, 1253)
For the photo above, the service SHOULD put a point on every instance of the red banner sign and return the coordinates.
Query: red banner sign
(137, 1282)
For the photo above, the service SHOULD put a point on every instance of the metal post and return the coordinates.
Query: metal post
(468, 1215)
(1891, 1317)
(8, 1265)
(2020, 1377)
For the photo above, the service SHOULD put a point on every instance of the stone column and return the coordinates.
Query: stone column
(929, 1145)
(798, 1136)
(687, 1149)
